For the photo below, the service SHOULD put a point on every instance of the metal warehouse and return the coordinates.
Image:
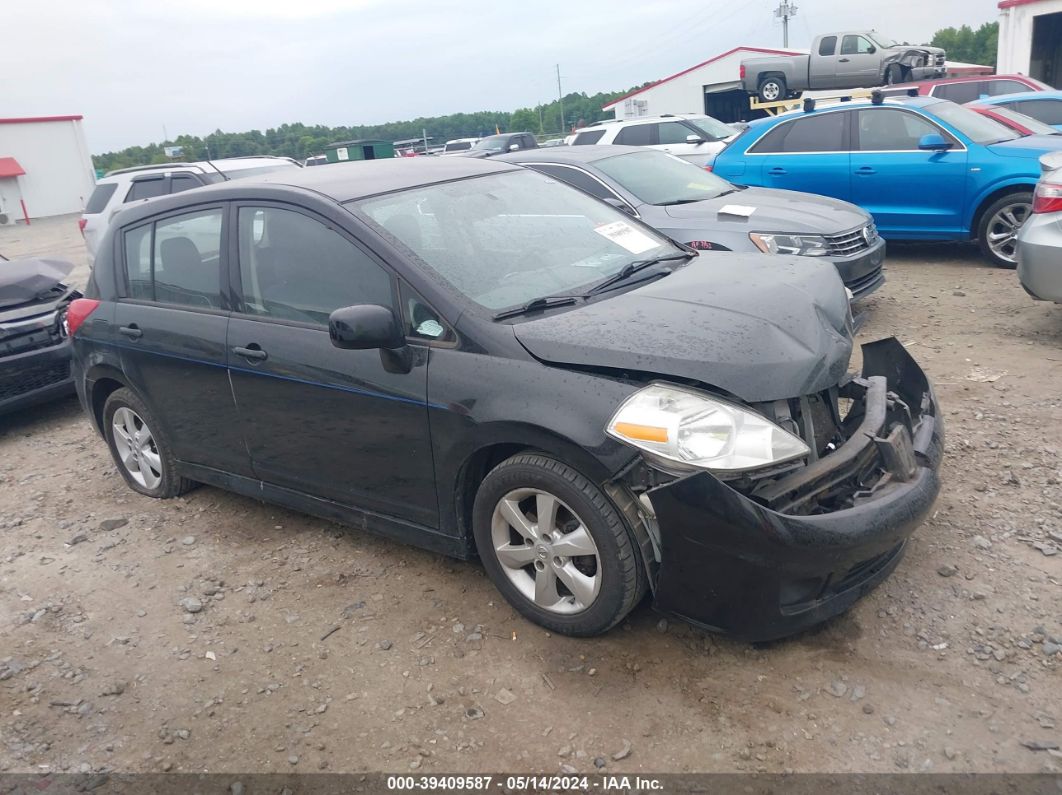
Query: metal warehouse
(1030, 39)
(45, 167)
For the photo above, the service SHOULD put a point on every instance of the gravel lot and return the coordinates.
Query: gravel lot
(214, 633)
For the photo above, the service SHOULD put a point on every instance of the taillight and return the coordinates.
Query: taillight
(78, 312)
(708, 168)
(1048, 198)
(741, 71)
(81, 225)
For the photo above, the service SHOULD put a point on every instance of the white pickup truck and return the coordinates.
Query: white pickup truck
(861, 59)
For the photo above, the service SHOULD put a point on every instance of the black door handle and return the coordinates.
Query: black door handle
(844, 60)
(132, 331)
(251, 352)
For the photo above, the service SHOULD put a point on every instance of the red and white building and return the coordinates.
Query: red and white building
(45, 167)
(1030, 39)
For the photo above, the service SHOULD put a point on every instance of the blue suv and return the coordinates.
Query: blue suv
(926, 169)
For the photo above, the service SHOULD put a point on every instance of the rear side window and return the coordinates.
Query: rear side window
(828, 45)
(818, 133)
(1047, 111)
(961, 93)
(176, 260)
(293, 267)
(146, 189)
(637, 135)
(586, 138)
(97, 202)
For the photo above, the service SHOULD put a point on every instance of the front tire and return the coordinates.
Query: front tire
(894, 75)
(556, 547)
(997, 234)
(772, 89)
(142, 454)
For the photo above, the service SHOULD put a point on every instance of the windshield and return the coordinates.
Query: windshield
(712, 128)
(1034, 126)
(979, 129)
(658, 178)
(257, 171)
(884, 41)
(505, 239)
(492, 143)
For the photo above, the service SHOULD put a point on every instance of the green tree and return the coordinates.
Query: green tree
(523, 119)
(968, 45)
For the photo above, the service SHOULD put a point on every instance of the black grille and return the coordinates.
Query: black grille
(34, 378)
(865, 281)
(848, 243)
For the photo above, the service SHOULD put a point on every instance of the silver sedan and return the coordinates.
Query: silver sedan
(1040, 238)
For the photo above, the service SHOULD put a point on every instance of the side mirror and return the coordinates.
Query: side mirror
(514, 147)
(619, 205)
(872, 49)
(694, 139)
(364, 327)
(934, 142)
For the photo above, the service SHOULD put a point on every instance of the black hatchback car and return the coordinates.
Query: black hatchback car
(476, 358)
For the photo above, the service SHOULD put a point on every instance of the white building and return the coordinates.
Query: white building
(46, 167)
(712, 87)
(1030, 39)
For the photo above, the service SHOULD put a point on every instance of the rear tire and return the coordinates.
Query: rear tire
(141, 453)
(997, 232)
(576, 572)
(773, 89)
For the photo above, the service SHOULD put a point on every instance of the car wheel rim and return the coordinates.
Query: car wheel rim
(136, 448)
(546, 551)
(771, 91)
(1003, 230)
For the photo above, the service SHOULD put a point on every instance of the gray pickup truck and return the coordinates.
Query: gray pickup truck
(862, 59)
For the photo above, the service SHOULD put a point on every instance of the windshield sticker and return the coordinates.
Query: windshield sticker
(625, 235)
(741, 210)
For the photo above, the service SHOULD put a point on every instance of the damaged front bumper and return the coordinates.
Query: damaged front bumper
(775, 561)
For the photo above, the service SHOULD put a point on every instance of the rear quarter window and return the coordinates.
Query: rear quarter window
(637, 135)
(586, 138)
(97, 202)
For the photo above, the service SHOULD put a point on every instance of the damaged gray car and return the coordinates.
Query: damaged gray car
(34, 346)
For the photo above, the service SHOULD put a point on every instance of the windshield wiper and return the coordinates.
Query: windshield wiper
(632, 268)
(535, 304)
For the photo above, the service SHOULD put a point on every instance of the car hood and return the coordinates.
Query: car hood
(25, 281)
(1030, 146)
(776, 211)
(760, 328)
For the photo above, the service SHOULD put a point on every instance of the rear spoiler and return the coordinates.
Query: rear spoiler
(1050, 162)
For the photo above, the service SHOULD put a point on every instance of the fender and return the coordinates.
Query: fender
(1023, 181)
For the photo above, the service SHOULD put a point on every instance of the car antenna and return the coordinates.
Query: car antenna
(224, 176)
(809, 104)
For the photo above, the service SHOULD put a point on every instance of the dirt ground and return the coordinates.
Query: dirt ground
(317, 648)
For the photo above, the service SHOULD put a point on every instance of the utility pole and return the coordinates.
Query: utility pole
(784, 11)
(560, 96)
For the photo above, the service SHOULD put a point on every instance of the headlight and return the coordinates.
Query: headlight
(696, 431)
(805, 245)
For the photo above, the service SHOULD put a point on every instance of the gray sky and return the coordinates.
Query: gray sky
(199, 65)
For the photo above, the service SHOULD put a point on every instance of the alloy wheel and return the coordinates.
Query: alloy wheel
(136, 448)
(546, 551)
(771, 91)
(1003, 230)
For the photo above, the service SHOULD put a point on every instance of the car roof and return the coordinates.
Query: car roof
(1022, 95)
(606, 123)
(341, 182)
(903, 102)
(574, 154)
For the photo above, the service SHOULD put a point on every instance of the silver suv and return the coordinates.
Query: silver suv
(140, 183)
(691, 136)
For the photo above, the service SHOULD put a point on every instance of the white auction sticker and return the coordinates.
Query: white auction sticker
(623, 234)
